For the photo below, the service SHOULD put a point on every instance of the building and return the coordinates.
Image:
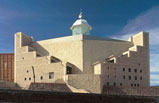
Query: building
(83, 61)
(7, 67)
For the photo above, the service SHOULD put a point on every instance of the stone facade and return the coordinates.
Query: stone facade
(83, 61)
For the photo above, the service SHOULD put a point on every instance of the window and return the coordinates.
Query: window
(135, 70)
(114, 76)
(140, 78)
(108, 76)
(41, 77)
(124, 77)
(69, 70)
(114, 84)
(51, 75)
(132, 85)
(139, 64)
(25, 79)
(135, 77)
(29, 78)
(107, 83)
(27, 71)
(129, 77)
(121, 84)
(140, 71)
(123, 69)
(129, 69)
(138, 85)
(135, 85)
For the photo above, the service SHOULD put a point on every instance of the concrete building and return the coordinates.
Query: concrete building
(7, 67)
(84, 62)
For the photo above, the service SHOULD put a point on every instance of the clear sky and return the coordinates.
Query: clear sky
(44, 19)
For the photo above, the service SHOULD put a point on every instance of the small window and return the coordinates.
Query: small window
(123, 69)
(131, 85)
(41, 77)
(114, 76)
(135, 70)
(129, 69)
(29, 78)
(114, 84)
(124, 77)
(69, 70)
(129, 77)
(138, 85)
(121, 84)
(51, 75)
(140, 71)
(27, 71)
(139, 64)
(23, 58)
(107, 83)
(114, 68)
(135, 77)
(135, 85)
(25, 79)
(140, 78)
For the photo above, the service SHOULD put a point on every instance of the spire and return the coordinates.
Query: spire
(80, 15)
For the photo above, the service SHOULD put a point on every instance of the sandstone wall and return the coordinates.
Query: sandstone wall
(88, 82)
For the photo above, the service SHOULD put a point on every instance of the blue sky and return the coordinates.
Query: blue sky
(45, 19)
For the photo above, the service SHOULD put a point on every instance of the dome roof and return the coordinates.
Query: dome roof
(80, 22)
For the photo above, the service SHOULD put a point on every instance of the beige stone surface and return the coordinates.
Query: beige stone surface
(94, 61)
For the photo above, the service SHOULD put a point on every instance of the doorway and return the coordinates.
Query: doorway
(68, 70)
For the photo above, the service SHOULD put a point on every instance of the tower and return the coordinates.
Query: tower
(81, 26)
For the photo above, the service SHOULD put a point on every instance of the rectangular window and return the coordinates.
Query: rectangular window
(135, 70)
(140, 78)
(135, 77)
(135, 85)
(129, 69)
(140, 71)
(124, 77)
(132, 85)
(123, 69)
(51, 75)
(129, 77)
(107, 83)
(121, 84)
(114, 84)
(41, 77)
